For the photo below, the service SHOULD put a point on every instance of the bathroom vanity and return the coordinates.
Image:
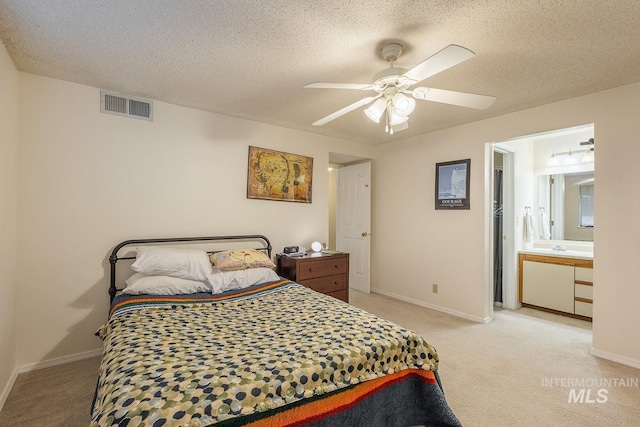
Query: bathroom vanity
(559, 281)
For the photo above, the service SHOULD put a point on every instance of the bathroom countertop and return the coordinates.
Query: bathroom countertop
(557, 253)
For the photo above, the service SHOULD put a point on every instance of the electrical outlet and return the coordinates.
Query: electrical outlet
(435, 288)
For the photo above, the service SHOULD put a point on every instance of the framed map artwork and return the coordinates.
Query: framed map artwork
(274, 175)
(452, 184)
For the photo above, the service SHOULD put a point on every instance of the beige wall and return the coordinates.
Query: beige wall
(89, 180)
(8, 200)
(416, 245)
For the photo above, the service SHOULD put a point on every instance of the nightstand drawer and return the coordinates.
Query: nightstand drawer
(324, 273)
(322, 268)
(341, 295)
(327, 284)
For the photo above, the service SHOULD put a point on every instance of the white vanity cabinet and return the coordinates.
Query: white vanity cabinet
(559, 284)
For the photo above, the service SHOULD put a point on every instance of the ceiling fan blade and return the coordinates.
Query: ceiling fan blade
(462, 99)
(324, 85)
(440, 61)
(345, 110)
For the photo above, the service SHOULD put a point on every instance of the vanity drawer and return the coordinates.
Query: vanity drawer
(584, 308)
(584, 291)
(584, 274)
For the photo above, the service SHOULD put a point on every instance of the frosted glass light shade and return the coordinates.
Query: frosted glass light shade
(404, 105)
(570, 159)
(553, 160)
(397, 119)
(588, 157)
(375, 111)
(401, 126)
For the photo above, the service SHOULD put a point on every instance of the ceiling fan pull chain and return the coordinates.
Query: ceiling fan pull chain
(386, 127)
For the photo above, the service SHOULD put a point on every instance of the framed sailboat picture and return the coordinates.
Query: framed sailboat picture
(452, 184)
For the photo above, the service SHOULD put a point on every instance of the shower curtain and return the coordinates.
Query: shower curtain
(497, 235)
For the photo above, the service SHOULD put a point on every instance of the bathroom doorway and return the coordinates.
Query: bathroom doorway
(498, 236)
(518, 171)
(503, 236)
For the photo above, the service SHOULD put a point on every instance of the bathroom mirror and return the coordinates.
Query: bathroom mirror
(565, 206)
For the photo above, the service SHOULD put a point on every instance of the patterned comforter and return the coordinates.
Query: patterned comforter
(202, 359)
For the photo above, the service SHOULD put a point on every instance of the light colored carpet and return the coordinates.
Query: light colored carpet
(492, 374)
(59, 396)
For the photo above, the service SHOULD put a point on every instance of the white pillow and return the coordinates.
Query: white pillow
(191, 264)
(162, 285)
(222, 281)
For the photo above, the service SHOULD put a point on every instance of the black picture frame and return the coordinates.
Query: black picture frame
(453, 184)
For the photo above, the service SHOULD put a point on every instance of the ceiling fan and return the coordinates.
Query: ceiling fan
(392, 86)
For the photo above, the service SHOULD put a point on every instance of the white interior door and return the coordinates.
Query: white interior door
(354, 222)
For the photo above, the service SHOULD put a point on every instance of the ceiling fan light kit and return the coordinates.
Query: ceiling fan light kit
(393, 85)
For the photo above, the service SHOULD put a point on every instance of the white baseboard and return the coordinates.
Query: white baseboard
(59, 361)
(433, 307)
(616, 358)
(8, 387)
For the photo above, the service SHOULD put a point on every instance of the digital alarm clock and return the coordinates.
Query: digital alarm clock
(291, 249)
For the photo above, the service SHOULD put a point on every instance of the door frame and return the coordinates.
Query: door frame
(509, 258)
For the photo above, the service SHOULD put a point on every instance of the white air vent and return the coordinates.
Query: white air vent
(124, 105)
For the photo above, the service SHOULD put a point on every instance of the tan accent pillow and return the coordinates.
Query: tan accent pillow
(240, 259)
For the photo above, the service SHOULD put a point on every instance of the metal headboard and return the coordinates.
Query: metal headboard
(113, 258)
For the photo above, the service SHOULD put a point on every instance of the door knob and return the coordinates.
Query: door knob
(365, 234)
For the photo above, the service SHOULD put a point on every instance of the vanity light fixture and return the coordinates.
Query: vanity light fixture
(572, 156)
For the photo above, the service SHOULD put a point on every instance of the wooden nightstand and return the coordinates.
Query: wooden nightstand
(328, 274)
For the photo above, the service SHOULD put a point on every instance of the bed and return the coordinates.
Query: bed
(268, 352)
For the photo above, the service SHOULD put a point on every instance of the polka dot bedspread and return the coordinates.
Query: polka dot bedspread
(200, 359)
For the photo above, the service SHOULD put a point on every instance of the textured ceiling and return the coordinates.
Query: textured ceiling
(251, 58)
